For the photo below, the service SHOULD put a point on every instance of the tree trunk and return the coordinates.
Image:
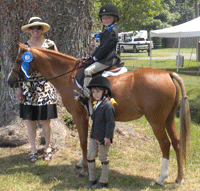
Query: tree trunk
(70, 22)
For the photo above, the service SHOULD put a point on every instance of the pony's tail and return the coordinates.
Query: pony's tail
(184, 120)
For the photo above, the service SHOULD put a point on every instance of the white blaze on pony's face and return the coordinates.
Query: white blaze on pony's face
(9, 75)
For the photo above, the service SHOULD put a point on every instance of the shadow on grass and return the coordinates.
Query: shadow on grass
(66, 177)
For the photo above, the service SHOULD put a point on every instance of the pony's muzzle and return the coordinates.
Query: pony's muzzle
(14, 83)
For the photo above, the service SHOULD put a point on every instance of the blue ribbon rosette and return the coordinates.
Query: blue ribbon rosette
(98, 35)
(27, 58)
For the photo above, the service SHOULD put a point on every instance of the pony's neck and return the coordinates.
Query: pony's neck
(53, 63)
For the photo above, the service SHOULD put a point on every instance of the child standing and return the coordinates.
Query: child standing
(101, 135)
(105, 54)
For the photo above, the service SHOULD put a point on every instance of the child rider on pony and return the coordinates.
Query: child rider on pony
(105, 54)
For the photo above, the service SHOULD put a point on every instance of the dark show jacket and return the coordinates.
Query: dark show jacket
(103, 121)
(106, 52)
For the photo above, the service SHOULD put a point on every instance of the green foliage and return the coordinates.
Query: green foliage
(167, 17)
(173, 13)
(132, 15)
(68, 120)
(146, 14)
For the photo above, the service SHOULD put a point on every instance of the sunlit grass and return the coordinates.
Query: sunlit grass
(164, 64)
(163, 52)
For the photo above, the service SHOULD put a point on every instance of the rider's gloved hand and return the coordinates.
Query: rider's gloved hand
(89, 61)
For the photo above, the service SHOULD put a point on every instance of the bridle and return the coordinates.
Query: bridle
(76, 67)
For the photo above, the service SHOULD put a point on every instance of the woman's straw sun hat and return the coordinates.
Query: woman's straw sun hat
(35, 21)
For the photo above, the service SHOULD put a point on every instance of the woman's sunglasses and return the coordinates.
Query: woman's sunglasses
(35, 27)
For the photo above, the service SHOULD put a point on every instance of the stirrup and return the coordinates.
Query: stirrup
(79, 96)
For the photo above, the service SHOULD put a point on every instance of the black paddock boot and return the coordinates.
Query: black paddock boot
(91, 183)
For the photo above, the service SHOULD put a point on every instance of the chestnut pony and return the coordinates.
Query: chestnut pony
(150, 92)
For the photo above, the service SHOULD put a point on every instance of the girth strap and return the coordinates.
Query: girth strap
(91, 160)
(106, 162)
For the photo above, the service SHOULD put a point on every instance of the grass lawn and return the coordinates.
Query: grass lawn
(135, 158)
(163, 52)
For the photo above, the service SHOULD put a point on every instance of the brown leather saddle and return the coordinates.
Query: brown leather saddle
(80, 73)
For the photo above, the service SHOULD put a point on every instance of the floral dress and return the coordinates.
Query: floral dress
(39, 98)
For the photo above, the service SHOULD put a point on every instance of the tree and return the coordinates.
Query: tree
(71, 25)
(173, 12)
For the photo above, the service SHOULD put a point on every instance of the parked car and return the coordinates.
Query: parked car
(133, 43)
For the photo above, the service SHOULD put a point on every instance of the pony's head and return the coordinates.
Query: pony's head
(48, 62)
(17, 75)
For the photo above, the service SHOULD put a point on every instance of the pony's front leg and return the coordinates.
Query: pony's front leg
(82, 127)
(164, 172)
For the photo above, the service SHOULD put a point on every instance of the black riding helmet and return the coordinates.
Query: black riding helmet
(100, 81)
(109, 9)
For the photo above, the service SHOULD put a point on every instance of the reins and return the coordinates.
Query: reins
(76, 67)
(15, 71)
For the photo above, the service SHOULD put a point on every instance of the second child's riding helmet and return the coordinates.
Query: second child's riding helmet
(109, 9)
(100, 81)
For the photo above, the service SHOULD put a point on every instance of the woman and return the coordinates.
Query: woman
(38, 101)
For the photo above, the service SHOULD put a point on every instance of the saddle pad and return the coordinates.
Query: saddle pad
(107, 74)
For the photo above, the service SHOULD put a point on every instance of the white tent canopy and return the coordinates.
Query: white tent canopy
(187, 29)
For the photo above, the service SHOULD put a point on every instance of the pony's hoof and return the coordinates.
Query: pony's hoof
(83, 172)
(161, 179)
(159, 183)
(80, 175)
(78, 167)
(79, 164)
(178, 180)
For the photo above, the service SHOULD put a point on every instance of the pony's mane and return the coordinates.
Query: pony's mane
(25, 48)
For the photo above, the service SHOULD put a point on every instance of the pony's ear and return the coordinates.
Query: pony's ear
(19, 44)
(22, 47)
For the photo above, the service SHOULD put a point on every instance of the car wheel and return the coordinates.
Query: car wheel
(122, 49)
(135, 49)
